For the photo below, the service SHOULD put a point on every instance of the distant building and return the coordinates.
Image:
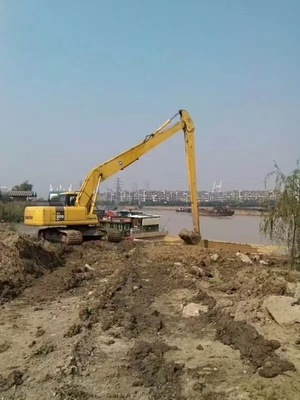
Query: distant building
(166, 196)
(18, 195)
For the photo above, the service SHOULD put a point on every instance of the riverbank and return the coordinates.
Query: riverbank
(232, 246)
(211, 244)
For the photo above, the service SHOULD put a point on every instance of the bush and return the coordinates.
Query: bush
(11, 212)
(282, 220)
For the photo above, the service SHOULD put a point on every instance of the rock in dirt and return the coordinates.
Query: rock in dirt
(178, 264)
(263, 262)
(193, 310)
(244, 258)
(88, 267)
(293, 288)
(214, 257)
(283, 309)
(131, 253)
(224, 303)
(197, 271)
(255, 257)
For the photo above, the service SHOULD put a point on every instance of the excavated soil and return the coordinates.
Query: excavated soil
(107, 320)
(21, 261)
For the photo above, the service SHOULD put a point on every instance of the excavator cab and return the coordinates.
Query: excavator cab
(65, 199)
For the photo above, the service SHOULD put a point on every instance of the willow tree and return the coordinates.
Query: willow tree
(281, 222)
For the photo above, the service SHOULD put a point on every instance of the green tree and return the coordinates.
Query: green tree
(281, 221)
(25, 186)
(4, 198)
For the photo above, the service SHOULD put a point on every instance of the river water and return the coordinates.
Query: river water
(238, 228)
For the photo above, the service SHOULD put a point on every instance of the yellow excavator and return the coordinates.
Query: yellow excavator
(71, 218)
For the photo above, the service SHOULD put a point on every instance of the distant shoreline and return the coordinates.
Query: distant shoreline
(239, 211)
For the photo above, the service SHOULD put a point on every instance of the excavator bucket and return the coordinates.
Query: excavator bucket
(114, 237)
(111, 235)
(190, 237)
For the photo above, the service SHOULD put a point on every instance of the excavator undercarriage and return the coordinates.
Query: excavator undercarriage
(75, 237)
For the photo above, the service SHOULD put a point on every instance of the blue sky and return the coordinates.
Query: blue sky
(81, 81)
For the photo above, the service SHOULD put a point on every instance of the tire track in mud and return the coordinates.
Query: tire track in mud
(125, 305)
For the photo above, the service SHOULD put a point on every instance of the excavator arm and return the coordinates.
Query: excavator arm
(88, 192)
(70, 221)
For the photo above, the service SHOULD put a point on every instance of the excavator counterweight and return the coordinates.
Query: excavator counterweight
(72, 218)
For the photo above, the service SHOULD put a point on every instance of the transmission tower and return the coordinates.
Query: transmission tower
(217, 188)
(118, 189)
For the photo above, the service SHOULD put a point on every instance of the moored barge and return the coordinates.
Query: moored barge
(133, 224)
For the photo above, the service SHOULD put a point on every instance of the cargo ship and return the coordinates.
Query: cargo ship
(224, 211)
(217, 212)
(184, 209)
(133, 224)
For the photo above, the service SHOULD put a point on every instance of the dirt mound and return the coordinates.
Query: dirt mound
(143, 320)
(255, 280)
(21, 261)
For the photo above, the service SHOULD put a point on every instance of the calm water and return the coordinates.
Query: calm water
(239, 228)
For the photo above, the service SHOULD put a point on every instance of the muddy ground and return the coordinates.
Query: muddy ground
(118, 321)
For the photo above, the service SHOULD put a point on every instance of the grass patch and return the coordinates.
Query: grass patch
(11, 212)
